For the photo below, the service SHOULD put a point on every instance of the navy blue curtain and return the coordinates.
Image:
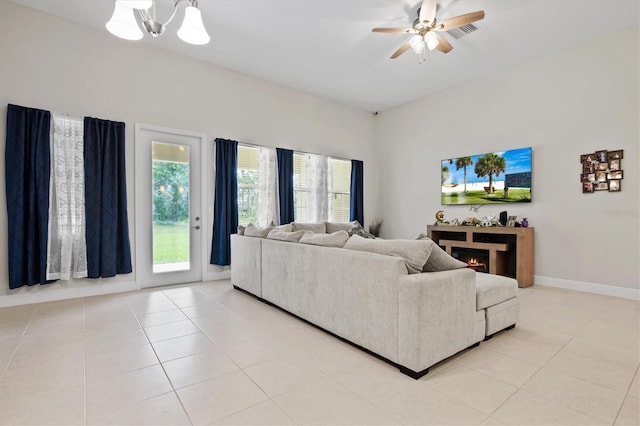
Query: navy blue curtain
(27, 168)
(356, 211)
(225, 204)
(107, 224)
(285, 185)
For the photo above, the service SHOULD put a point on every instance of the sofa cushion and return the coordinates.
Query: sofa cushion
(316, 228)
(338, 226)
(414, 252)
(278, 234)
(439, 260)
(252, 230)
(241, 229)
(335, 239)
(494, 289)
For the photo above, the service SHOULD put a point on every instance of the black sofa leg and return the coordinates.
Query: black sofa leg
(499, 331)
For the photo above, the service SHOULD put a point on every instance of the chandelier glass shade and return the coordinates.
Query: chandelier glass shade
(124, 24)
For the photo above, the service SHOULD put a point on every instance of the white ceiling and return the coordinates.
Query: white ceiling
(326, 47)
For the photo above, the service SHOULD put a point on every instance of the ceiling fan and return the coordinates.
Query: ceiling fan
(426, 28)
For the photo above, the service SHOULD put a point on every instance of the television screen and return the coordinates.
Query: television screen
(497, 177)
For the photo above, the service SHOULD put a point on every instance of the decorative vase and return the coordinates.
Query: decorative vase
(525, 222)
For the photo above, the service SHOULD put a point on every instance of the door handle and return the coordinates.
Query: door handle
(195, 227)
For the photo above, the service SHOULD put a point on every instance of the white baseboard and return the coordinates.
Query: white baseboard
(608, 290)
(215, 276)
(51, 292)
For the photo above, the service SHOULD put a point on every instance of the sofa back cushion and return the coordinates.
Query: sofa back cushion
(335, 239)
(316, 228)
(252, 230)
(414, 252)
(286, 227)
(277, 234)
(338, 226)
(439, 260)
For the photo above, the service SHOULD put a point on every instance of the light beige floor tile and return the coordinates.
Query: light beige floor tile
(159, 318)
(529, 350)
(192, 344)
(425, 406)
(281, 375)
(634, 389)
(477, 390)
(525, 408)
(220, 397)
(597, 372)
(141, 307)
(112, 324)
(492, 421)
(180, 292)
(254, 351)
(134, 386)
(122, 339)
(624, 338)
(108, 364)
(59, 407)
(326, 402)
(265, 413)
(502, 367)
(171, 330)
(629, 414)
(198, 368)
(599, 351)
(374, 381)
(596, 401)
(160, 410)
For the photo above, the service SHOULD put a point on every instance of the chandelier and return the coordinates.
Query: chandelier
(123, 23)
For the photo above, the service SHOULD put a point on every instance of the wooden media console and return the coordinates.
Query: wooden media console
(508, 251)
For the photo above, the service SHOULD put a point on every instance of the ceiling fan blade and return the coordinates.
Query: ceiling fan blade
(428, 10)
(391, 30)
(402, 49)
(443, 45)
(458, 21)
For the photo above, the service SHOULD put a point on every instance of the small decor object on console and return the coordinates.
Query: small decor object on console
(525, 222)
(511, 222)
(602, 171)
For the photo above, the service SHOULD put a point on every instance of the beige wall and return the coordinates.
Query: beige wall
(53, 64)
(574, 102)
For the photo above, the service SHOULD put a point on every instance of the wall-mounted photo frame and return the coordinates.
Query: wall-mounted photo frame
(615, 185)
(602, 171)
(511, 221)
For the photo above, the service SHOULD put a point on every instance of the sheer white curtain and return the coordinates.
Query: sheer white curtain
(66, 248)
(268, 205)
(318, 184)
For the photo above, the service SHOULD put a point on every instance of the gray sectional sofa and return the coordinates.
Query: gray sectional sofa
(412, 320)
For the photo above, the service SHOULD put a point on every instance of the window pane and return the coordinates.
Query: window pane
(339, 190)
(170, 192)
(247, 185)
(300, 187)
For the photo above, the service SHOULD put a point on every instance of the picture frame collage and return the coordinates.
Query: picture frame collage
(602, 171)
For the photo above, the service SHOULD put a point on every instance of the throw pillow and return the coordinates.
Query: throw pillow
(316, 228)
(439, 260)
(241, 230)
(338, 226)
(335, 239)
(357, 229)
(287, 228)
(277, 234)
(253, 231)
(414, 252)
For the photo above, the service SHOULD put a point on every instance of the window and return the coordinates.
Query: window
(339, 190)
(301, 187)
(248, 186)
(321, 188)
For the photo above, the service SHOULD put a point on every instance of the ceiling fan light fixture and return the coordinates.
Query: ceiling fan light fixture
(417, 44)
(137, 4)
(431, 39)
(123, 23)
(192, 30)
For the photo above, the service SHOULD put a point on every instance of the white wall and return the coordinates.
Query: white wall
(571, 103)
(58, 65)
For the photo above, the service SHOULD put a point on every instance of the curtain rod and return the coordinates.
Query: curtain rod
(295, 151)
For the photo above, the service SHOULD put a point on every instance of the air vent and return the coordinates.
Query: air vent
(462, 31)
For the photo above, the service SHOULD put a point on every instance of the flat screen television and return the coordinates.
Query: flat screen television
(493, 178)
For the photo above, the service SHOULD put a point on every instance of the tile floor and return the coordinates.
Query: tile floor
(207, 354)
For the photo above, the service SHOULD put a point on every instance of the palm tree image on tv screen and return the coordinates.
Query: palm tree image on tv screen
(496, 177)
